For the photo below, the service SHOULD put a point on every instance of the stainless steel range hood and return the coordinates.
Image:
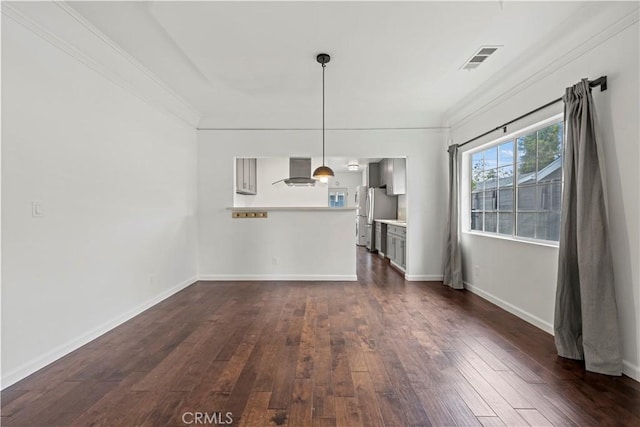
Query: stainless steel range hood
(299, 173)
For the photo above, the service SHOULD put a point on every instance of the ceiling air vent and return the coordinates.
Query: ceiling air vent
(479, 57)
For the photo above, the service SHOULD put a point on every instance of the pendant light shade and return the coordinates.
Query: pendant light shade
(323, 173)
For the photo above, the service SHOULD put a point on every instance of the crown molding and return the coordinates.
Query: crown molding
(489, 94)
(61, 26)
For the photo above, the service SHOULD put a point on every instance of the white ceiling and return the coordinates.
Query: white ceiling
(339, 164)
(393, 64)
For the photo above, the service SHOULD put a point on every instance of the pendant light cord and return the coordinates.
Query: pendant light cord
(323, 67)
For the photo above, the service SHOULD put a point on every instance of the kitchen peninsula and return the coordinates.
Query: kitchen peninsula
(283, 232)
(290, 243)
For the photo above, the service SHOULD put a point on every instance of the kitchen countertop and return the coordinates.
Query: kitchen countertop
(392, 222)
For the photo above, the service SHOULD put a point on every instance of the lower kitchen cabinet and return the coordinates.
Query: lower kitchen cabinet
(381, 242)
(396, 245)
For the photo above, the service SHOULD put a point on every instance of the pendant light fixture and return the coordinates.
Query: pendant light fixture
(323, 173)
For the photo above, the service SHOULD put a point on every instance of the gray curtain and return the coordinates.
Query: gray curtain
(452, 253)
(586, 316)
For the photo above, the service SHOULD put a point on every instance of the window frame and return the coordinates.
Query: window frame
(495, 143)
(338, 191)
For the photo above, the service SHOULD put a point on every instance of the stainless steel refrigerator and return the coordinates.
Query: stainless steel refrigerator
(361, 215)
(378, 206)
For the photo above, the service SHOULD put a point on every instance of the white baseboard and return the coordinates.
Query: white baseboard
(630, 370)
(524, 315)
(280, 277)
(40, 362)
(424, 277)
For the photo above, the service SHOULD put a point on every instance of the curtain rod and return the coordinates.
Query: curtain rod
(600, 81)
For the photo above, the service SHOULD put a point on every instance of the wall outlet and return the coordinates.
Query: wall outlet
(275, 260)
(37, 208)
(476, 271)
(152, 280)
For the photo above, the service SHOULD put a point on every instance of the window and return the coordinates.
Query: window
(337, 197)
(516, 186)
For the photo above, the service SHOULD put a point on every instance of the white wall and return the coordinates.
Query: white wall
(521, 276)
(272, 169)
(117, 182)
(349, 180)
(219, 256)
(402, 207)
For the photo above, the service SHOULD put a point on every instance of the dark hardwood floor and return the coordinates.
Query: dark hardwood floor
(377, 352)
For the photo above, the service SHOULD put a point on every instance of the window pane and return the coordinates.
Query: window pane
(476, 201)
(526, 224)
(491, 181)
(523, 175)
(476, 162)
(477, 172)
(550, 196)
(491, 158)
(477, 181)
(527, 154)
(505, 223)
(505, 154)
(556, 197)
(476, 220)
(548, 226)
(490, 222)
(505, 199)
(527, 198)
(490, 200)
(505, 176)
(549, 150)
(552, 172)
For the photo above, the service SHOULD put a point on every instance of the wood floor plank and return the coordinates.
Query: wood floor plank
(227, 380)
(324, 405)
(508, 392)
(391, 410)
(377, 352)
(324, 422)
(435, 408)
(257, 409)
(340, 369)
(493, 398)
(347, 412)
(473, 399)
(534, 418)
(538, 400)
(304, 366)
(403, 390)
(300, 412)
(367, 401)
(286, 366)
(491, 422)
(377, 372)
(100, 412)
(458, 409)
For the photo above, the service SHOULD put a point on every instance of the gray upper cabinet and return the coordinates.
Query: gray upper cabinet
(373, 175)
(246, 176)
(398, 176)
(384, 173)
(393, 176)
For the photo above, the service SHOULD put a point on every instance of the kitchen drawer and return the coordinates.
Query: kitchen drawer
(397, 230)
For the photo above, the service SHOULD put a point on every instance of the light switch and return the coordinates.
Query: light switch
(37, 209)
